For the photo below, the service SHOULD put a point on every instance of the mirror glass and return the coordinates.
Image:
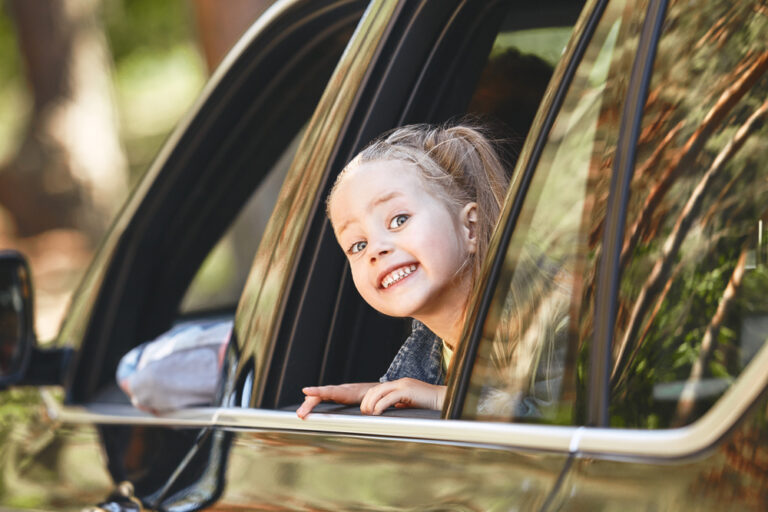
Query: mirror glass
(15, 311)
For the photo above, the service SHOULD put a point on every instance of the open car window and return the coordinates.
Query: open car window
(499, 71)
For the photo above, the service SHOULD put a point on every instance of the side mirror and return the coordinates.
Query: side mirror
(17, 334)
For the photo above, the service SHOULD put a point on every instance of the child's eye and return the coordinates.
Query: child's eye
(357, 247)
(398, 220)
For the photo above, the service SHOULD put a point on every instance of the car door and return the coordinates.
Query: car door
(216, 176)
(644, 224)
(682, 408)
(300, 322)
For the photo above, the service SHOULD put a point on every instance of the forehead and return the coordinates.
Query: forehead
(364, 184)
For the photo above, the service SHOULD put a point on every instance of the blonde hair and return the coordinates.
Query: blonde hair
(457, 162)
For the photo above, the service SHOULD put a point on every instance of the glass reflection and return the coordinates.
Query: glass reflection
(534, 343)
(693, 308)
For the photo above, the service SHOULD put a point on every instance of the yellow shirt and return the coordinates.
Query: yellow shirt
(447, 356)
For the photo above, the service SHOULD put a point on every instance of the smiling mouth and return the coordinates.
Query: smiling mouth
(397, 275)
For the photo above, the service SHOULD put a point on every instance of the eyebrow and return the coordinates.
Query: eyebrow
(375, 202)
(384, 199)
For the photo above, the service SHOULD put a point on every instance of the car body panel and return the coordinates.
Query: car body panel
(728, 475)
(332, 472)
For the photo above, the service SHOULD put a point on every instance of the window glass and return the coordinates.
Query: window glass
(693, 301)
(220, 279)
(529, 363)
(529, 43)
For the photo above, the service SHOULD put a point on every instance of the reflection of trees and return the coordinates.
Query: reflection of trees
(660, 274)
(741, 470)
(683, 159)
(697, 194)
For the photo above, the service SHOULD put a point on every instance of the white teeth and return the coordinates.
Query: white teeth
(397, 275)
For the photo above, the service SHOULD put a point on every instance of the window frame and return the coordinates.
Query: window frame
(609, 271)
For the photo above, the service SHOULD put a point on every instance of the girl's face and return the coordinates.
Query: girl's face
(408, 252)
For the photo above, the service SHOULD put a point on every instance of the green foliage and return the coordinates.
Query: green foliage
(158, 71)
(546, 43)
(146, 26)
(14, 99)
(9, 52)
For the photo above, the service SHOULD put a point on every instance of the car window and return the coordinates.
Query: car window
(491, 59)
(528, 45)
(219, 280)
(693, 307)
(535, 338)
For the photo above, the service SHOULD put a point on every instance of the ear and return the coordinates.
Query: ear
(468, 219)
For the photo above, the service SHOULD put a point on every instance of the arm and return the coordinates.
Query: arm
(374, 398)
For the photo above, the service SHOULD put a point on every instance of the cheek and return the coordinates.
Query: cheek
(444, 249)
(362, 283)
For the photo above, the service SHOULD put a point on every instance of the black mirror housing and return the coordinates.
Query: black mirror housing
(17, 328)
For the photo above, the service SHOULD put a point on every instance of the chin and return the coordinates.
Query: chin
(397, 305)
(397, 311)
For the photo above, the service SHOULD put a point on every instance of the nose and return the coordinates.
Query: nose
(379, 249)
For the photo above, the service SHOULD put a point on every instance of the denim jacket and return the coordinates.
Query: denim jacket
(420, 357)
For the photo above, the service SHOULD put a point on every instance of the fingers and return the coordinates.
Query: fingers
(394, 397)
(402, 393)
(343, 394)
(375, 398)
(385, 395)
(310, 402)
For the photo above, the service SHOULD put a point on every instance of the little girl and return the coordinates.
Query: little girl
(414, 212)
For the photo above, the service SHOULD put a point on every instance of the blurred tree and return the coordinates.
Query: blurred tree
(70, 170)
(219, 28)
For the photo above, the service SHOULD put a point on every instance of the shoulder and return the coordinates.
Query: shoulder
(421, 332)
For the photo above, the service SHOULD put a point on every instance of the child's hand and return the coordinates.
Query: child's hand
(402, 393)
(343, 394)
(375, 398)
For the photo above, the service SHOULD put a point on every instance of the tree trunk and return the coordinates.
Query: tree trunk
(70, 171)
(220, 27)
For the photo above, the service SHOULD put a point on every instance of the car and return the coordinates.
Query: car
(634, 225)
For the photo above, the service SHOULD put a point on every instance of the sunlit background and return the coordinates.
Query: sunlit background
(89, 91)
